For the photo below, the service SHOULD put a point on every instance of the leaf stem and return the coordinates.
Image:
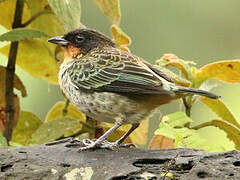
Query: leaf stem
(187, 107)
(10, 72)
(34, 17)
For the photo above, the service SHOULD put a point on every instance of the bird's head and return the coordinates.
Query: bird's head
(81, 41)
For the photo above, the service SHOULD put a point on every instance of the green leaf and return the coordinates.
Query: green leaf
(72, 112)
(233, 132)
(3, 141)
(186, 138)
(227, 71)
(177, 119)
(110, 8)
(172, 126)
(27, 124)
(53, 130)
(217, 106)
(21, 34)
(68, 12)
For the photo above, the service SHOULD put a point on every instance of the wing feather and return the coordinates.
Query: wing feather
(117, 71)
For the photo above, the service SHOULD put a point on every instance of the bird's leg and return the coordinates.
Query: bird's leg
(120, 141)
(101, 141)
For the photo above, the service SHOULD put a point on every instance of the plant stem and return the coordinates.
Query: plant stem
(65, 108)
(10, 72)
(187, 107)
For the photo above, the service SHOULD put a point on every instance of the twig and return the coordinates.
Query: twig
(10, 72)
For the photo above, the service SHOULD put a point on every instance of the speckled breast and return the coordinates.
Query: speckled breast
(102, 106)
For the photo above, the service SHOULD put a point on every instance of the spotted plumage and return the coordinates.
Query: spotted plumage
(111, 85)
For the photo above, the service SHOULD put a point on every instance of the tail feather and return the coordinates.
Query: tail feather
(198, 92)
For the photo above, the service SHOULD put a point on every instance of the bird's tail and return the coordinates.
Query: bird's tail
(181, 89)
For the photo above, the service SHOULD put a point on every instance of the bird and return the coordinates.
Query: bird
(112, 85)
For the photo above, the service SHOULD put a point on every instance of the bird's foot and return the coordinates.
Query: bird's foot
(104, 144)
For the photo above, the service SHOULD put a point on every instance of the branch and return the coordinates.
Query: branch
(10, 72)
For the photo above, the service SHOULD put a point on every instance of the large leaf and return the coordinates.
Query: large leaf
(36, 59)
(227, 71)
(47, 22)
(7, 13)
(57, 112)
(3, 141)
(21, 34)
(185, 137)
(68, 12)
(232, 131)
(110, 8)
(53, 130)
(27, 124)
(177, 119)
(217, 106)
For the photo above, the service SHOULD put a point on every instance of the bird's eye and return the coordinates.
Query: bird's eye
(79, 39)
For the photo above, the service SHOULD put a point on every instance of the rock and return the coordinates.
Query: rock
(63, 161)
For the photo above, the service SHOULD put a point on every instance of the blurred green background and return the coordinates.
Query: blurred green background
(204, 31)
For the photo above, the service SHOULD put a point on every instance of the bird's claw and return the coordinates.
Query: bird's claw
(93, 144)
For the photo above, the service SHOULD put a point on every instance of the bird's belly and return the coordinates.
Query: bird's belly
(107, 107)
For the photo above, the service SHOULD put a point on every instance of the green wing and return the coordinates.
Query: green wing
(115, 71)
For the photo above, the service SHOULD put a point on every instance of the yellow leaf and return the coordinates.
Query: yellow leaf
(27, 124)
(57, 112)
(110, 8)
(232, 131)
(138, 136)
(125, 49)
(47, 22)
(120, 38)
(159, 141)
(7, 13)
(36, 58)
(217, 106)
(173, 60)
(57, 109)
(227, 71)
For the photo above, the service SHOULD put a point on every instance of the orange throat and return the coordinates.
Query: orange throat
(71, 52)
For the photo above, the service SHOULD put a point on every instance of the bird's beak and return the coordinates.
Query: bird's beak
(58, 40)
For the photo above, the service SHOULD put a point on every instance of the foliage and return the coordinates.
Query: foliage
(186, 136)
(45, 18)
